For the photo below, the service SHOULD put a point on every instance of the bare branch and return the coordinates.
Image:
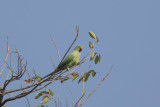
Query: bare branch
(55, 102)
(53, 62)
(59, 102)
(10, 65)
(6, 57)
(22, 62)
(100, 75)
(28, 104)
(56, 48)
(32, 90)
(27, 87)
(18, 96)
(77, 33)
(14, 77)
(8, 74)
(98, 85)
(77, 103)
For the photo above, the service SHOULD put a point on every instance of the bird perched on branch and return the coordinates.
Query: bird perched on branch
(71, 60)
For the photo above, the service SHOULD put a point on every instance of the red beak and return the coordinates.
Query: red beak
(80, 49)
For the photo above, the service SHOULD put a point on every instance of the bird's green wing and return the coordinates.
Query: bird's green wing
(71, 60)
(66, 61)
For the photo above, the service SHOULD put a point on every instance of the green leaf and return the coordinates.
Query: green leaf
(92, 56)
(92, 35)
(96, 59)
(51, 92)
(40, 94)
(99, 58)
(80, 80)
(97, 39)
(39, 78)
(86, 77)
(91, 45)
(74, 77)
(93, 73)
(33, 77)
(45, 99)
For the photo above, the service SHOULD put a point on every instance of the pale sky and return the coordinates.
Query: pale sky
(129, 36)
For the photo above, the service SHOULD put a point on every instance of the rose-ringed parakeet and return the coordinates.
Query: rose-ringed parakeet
(71, 60)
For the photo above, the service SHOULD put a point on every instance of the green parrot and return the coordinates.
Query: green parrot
(71, 60)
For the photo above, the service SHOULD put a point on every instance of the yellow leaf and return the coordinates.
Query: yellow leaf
(75, 77)
(91, 45)
(92, 56)
(92, 34)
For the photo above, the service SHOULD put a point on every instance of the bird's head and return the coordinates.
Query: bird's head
(78, 48)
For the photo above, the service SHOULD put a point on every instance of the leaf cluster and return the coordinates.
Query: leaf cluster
(47, 96)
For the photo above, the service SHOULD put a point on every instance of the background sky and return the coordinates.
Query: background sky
(129, 36)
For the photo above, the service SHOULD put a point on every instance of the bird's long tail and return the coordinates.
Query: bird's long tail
(51, 74)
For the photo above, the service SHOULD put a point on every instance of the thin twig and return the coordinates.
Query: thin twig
(98, 85)
(28, 102)
(55, 102)
(56, 48)
(18, 96)
(10, 65)
(79, 101)
(53, 62)
(59, 102)
(34, 73)
(100, 75)
(77, 104)
(11, 69)
(22, 62)
(8, 74)
(34, 86)
(40, 82)
(5, 61)
(77, 33)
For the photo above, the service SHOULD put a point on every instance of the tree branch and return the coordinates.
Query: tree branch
(98, 85)
(5, 61)
(77, 33)
(56, 48)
